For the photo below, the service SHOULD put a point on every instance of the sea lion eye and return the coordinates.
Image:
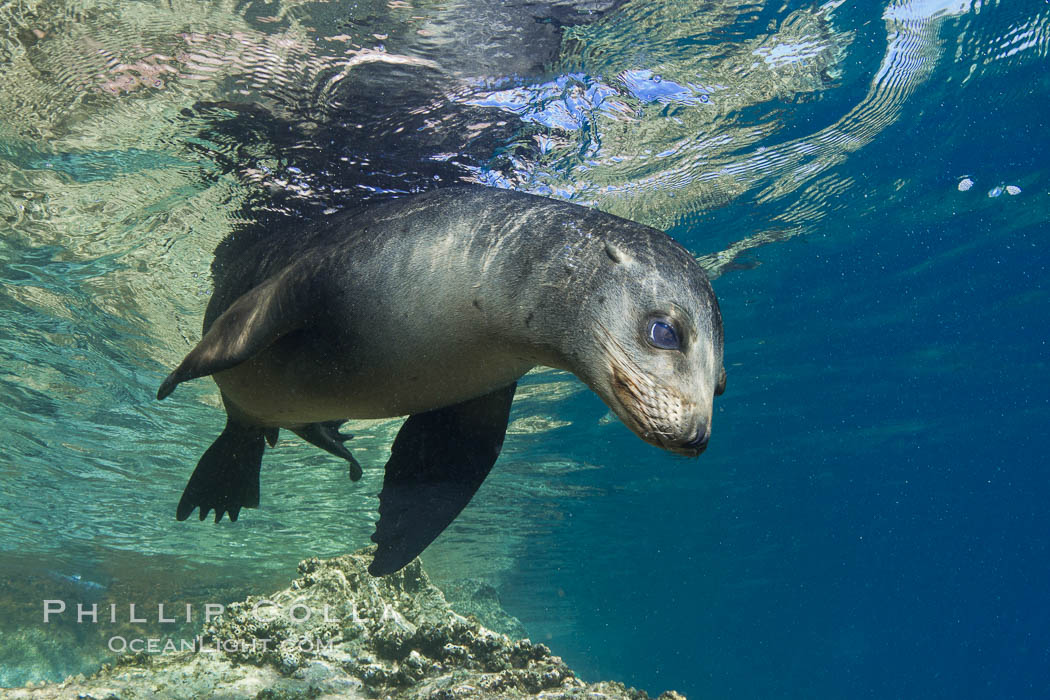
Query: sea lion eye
(662, 334)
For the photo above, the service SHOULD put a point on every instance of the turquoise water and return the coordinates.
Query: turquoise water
(868, 183)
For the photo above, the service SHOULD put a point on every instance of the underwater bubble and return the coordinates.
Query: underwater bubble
(1012, 190)
(995, 191)
(965, 184)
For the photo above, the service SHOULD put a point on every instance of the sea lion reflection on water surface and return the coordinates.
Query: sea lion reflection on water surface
(433, 306)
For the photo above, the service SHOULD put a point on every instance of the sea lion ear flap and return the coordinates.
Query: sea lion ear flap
(721, 386)
(617, 254)
(254, 321)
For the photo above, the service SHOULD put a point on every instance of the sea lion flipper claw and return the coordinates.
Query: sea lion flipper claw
(227, 476)
(326, 435)
(437, 463)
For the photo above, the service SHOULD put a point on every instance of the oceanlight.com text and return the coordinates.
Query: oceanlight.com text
(155, 645)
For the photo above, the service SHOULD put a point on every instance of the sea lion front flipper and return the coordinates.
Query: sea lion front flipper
(227, 476)
(326, 435)
(437, 463)
(256, 319)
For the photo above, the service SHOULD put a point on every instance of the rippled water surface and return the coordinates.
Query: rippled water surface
(867, 182)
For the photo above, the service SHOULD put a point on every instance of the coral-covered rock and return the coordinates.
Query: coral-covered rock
(337, 631)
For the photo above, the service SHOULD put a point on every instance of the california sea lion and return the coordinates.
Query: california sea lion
(433, 306)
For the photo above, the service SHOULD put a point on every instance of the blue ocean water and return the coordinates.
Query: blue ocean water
(869, 184)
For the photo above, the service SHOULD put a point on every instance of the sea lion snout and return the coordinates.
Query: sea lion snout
(657, 412)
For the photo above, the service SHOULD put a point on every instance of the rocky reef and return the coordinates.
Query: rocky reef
(337, 631)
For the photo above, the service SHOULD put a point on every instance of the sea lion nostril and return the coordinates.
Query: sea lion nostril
(700, 441)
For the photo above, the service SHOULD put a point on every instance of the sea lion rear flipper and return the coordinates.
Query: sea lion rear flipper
(437, 463)
(227, 476)
(256, 319)
(326, 435)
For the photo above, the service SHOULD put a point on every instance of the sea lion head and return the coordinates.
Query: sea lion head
(658, 334)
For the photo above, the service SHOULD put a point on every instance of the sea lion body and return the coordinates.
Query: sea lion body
(433, 316)
(433, 306)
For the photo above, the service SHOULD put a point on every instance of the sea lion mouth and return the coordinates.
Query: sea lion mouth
(626, 396)
(699, 443)
(646, 412)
